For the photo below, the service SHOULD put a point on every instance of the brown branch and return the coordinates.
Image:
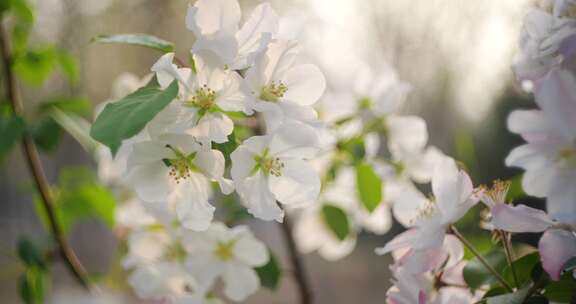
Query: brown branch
(298, 266)
(35, 166)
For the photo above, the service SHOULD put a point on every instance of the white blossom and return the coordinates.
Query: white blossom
(230, 254)
(272, 168)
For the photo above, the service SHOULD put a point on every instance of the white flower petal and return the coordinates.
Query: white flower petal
(256, 196)
(294, 140)
(213, 126)
(556, 248)
(297, 185)
(151, 181)
(207, 17)
(250, 250)
(240, 282)
(519, 218)
(305, 84)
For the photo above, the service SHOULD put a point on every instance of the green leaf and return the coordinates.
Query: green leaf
(355, 147)
(515, 191)
(46, 134)
(125, 118)
(30, 254)
(138, 39)
(270, 273)
(510, 298)
(337, 220)
(69, 65)
(476, 275)
(562, 291)
(77, 105)
(35, 66)
(369, 186)
(523, 268)
(32, 286)
(11, 129)
(227, 148)
(570, 265)
(23, 22)
(78, 196)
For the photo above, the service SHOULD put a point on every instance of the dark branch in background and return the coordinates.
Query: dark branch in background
(35, 166)
(298, 267)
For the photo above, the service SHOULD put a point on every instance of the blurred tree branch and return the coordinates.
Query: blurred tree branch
(35, 166)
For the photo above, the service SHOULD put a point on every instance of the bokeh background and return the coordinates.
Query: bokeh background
(456, 54)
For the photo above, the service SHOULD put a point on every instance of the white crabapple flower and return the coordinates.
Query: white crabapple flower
(283, 90)
(379, 90)
(416, 274)
(215, 26)
(411, 161)
(547, 42)
(168, 282)
(174, 170)
(272, 168)
(227, 253)
(202, 99)
(454, 195)
(558, 243)
(323, 240)
(549, 155)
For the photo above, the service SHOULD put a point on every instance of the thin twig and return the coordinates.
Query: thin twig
(509, 255)
(298, 266)
(35, 166)
(479, 257)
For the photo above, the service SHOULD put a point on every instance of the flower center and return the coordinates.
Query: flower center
(268, 165)
(497, 194)
(203, 98)
(273, 92)
(567, 156)
(426, 211)
(225, 250)
(181, 165)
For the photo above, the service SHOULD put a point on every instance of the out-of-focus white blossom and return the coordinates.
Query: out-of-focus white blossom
(215, 24)
(229, 254)
(272, 169)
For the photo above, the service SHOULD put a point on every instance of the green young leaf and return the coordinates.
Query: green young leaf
(510, 298)
(227, 148)
(337, 220)
(476, 275)
(77, 105)
(69, 65)
(79, 196)
(23, 22)
(355, 148)
(138, 39)
(125, 118)
(47, 134)
(523, 268)
(36, 65)
(270, 273)
(32, 286)
(562, 291)
(11, 129)
(369, 186)
(30, 254)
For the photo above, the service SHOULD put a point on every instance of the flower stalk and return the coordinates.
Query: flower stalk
(466, 243)
(35, 167)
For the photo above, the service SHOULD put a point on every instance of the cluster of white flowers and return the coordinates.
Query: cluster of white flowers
(370, 111)
(176, 251)
(546, 61)
(425, 253)
(292, 161)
